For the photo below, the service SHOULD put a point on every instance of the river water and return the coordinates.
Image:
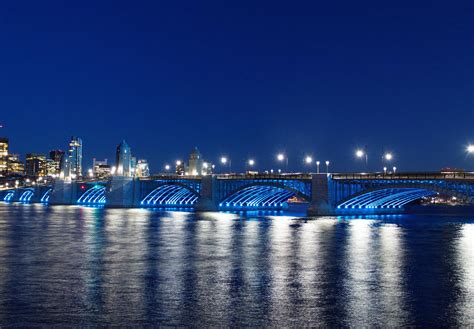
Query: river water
(76, 266)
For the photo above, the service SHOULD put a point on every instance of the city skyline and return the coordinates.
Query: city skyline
(280, 162)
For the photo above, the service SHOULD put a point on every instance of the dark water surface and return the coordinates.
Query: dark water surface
(84, 266)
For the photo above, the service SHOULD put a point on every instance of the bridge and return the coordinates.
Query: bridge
(322, 194)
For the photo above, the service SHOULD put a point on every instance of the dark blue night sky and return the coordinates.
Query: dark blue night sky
(242, 78)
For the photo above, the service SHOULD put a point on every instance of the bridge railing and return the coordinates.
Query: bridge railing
(414, 175)
(170, 177)
(264, 176)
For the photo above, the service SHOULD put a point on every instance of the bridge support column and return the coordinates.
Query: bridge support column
(64, 193)
(120, 193)
(321, 203)
(208, 200)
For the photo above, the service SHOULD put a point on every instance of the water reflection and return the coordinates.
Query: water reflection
(92, 266)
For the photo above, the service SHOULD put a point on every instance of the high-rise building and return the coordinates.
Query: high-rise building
(142, 169)
(195, 164)
(35, 165)
(74, 167)
(124, 159)
(57, 157)
(15, 166)
(3, 156)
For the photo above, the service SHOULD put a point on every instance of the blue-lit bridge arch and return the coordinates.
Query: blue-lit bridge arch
(26, 195)
(93, 195)
(172, 195)
(264, 195)
(396, 194)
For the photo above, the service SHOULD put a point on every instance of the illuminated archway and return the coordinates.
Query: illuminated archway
(170, 195)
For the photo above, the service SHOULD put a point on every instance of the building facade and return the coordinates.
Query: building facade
(142, 168)
(15, 166)
(195, 164)
(101, 169)
(124, 160)
(35, 165)
(3, 156)
(57, 157)
(72, 163)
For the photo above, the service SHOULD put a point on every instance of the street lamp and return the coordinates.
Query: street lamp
(281, 157)
(470, 149)
(317, 166)
(308, 160)
(361, 154)
(225, 160)
(384, 170)
(394, 169)
(251, 162)
(327, 166)
(388, 156)
(167, 167)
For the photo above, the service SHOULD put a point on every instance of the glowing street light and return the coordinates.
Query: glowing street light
(251, 162)
(327, 166)
(308, 160)
(362, 154)
(281, 157)
(384, 170)
(167, 167)
(394, 169)
(225, 160)
(178, 162)
(388, 156)
(470, 149)
(317, 166)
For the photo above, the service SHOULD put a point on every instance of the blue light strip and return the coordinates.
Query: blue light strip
(46, 196)
(94, 195)
(26, 196)
(257, 197)
(386, 198)
(170, 196)
(9, 196)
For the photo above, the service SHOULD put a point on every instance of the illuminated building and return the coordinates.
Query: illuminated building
(124, 159)
(195, 163)
(142, 169)
(35, 165)
(100, 169)
(72, 164)
(207, 168)
(3, 156)
(15, 166)
(57, 157)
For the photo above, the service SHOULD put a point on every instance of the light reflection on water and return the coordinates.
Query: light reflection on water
(91, 266)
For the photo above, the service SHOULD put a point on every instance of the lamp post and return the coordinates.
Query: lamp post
(308, 160)
(250, 163)
(317, 166)
(384, 170)
(281, 157)
(394, 169)
(360, 153)
(327, 166)
(470, 149)
(225, 160)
